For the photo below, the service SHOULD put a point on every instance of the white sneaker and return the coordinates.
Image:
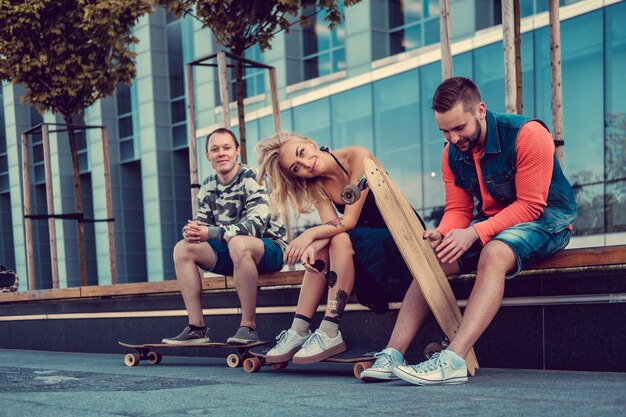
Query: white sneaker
(288, 342)
(319, 347)
(382, 369)
(437, 370)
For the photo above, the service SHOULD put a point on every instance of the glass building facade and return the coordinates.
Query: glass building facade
(369, 82)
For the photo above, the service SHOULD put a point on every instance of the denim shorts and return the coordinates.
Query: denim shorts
(530, 242)
(272, 259)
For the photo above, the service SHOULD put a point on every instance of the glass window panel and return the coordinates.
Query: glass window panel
(252, 138)
(616, 206)
(179, 136)
(83, 162)
(431, 8)
(590, 200)
(175, 59)
(412, 38)
(396, 115)
(123, 99)
(402, 12)
(81, 140)
(4, 166)
(431, 32)
(311, 69)
(37, 152)
(4, 183)
(126, 150)
(125, 126)
(324, 64)
(40, 176)
(489, 75)
(313, 120)
(615, 133)
(352, 118)
(339, 60)
(266, 124)
(178, 110)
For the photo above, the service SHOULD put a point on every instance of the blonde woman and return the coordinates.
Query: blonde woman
(355, 242)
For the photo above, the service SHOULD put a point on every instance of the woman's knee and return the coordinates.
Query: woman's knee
(341, 243)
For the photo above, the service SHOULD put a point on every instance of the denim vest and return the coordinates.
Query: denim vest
(498, 166)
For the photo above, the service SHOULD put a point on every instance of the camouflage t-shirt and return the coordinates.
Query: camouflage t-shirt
(239, 208)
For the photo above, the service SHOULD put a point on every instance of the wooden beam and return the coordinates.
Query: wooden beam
(508, 41)
(52, 234)
(555, 65)
(109, 204)
(192, 140)
(223, 83)
(444, 35)
(28, 222)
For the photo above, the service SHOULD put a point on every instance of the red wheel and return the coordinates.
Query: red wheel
(234, 360)
(432, 348)
(132, 359)
(359, 367)
(154, 358)
(251, 365)
(281, 365)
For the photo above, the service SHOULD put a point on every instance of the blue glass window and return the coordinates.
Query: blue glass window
(412, 24)
(323, 49)
(313, 120)
(352, 118)
(178, 106)
(397, 128)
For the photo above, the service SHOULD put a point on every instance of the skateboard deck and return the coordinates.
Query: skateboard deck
(361, 358)
(407, 232)
(147, 351)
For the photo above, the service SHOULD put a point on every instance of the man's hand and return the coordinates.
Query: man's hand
(433, 236)
(295, 250)
(455, 243)
(195, 232)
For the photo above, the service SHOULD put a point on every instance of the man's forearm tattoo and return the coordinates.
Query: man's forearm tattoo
(339, 304)
(335, 222)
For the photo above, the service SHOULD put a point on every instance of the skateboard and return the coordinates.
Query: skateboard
(147, 351)
(361, 358)
(407, 232)
(9, 282)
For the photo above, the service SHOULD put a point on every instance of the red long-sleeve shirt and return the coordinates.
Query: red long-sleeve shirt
(534, 164)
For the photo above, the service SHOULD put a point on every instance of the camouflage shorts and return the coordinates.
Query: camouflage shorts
(8, 280)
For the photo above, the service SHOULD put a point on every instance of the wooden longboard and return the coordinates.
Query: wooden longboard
(361, 358)
(407, 232)
(147, 351)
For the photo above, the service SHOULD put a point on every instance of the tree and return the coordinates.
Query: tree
(240, 24)
(68, 54)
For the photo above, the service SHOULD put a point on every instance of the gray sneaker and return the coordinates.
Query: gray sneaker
(188, 336)
(243, 336)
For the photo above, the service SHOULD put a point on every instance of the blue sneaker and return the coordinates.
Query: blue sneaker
(443, 367)
(381, 370)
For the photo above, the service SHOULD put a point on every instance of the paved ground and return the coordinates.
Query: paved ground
(61, 384)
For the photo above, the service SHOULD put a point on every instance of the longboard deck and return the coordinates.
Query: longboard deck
(352, 355)
(196, 345)
(407, 232)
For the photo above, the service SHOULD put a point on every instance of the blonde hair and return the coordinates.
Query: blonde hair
(301, 193)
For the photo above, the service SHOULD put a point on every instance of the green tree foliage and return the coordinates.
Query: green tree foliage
(68, 54)
(240, 24)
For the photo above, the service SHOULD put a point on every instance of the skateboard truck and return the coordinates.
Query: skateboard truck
(330, 276)
(351, 193)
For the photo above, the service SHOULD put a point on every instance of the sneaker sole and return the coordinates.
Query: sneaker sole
(237, 341)
(285, 357)
(335, 350)
(421, 381)
(185, 342)
(378, 377)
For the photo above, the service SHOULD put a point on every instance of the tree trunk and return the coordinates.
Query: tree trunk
(78, 199)
(240, 107)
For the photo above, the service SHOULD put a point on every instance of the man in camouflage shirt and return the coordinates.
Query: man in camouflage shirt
(233, 233)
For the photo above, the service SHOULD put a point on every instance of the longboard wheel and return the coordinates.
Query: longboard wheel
(350, 194)
(281, 365)
(251, 365)
(234, 360)
(154, 358)
(132, 359)
(432, 348)
(359, 367)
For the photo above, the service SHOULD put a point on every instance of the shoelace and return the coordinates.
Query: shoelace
(315, 337)
(282, 338)
(383, 360)
(430, 365)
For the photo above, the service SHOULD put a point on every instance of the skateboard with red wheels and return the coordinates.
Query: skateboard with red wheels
(361, 359)
(407, 231)
(147, 351)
